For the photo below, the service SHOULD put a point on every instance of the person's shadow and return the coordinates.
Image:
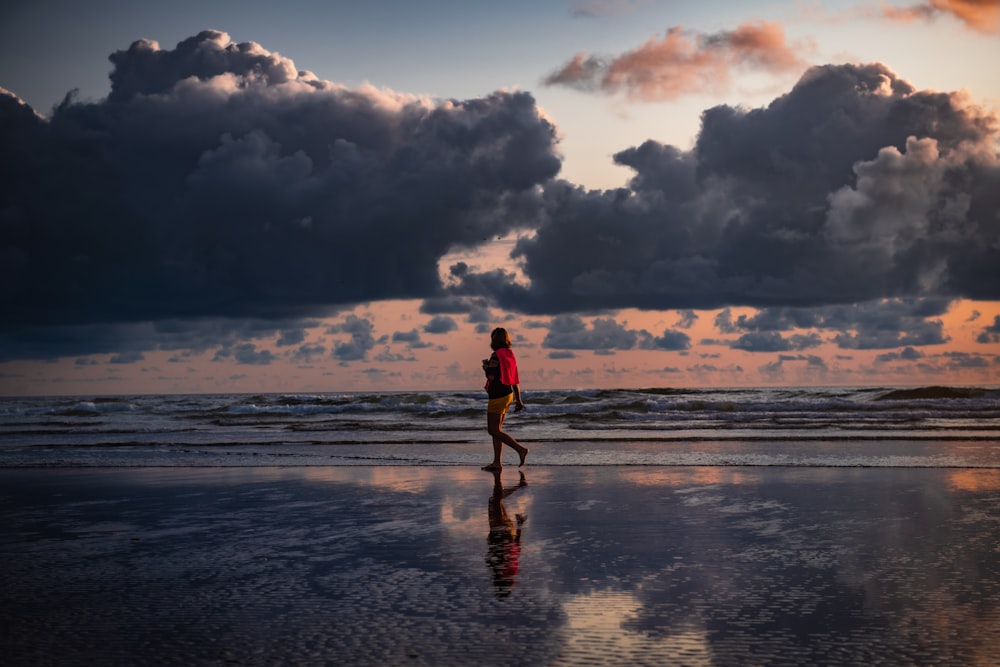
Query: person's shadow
(503, 555)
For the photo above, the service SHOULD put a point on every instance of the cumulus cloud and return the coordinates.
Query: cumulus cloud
(216, 179)
(981, 15)
(853, 187)
(221, 195)
(683, 62)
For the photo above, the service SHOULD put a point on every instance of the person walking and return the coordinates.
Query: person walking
(503, 389)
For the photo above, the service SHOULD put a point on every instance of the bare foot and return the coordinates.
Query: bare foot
(493, 467)
(523, 452)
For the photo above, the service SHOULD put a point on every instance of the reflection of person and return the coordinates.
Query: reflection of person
(502, 387)
(504, 552)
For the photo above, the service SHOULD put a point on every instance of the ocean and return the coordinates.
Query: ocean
(931, 427)
(699, 528)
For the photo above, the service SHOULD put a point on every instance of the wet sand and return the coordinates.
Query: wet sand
(433, 566)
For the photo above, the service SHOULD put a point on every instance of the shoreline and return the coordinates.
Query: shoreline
(372, 565)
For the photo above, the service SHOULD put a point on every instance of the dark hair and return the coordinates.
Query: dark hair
(499, 338)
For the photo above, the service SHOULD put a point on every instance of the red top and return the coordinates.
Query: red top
(508, 366)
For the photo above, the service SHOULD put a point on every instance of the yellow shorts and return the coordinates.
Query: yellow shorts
(500, 406)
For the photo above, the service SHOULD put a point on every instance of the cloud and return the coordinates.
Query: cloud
(991, 333)
(218, 180)
(672, 340)
(869, 325)
(604, 335)
(247, 354)
(291, 337)
(957, 361)
(775, 342)
(684, 63)
(687, 319)
(853, 187)
(411, 339)
(221, 195)
(126, 358)
(440, 324)
(981, 15)
(570, 332)
(776, 368)
(907, 354)
(361, 342)
(309, 353)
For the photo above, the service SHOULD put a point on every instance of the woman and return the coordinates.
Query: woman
(503, 390)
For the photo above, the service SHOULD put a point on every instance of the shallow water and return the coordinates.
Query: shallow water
(930, 426)
(415, 565)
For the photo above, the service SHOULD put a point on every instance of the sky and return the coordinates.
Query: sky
(221, 196)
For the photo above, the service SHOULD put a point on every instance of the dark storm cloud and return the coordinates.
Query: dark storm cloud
(218, 180)
(188, 336)
(217, 183)
(852, 187)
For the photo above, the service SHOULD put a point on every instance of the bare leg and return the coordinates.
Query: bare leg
(494, 425)
(521, 450)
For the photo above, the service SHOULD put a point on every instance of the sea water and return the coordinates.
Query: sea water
(862, 427)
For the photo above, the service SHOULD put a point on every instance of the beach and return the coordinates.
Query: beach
(441, 565)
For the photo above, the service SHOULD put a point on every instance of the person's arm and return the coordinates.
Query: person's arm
(518, 404)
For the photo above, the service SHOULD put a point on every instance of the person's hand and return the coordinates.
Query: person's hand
(518, 406)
